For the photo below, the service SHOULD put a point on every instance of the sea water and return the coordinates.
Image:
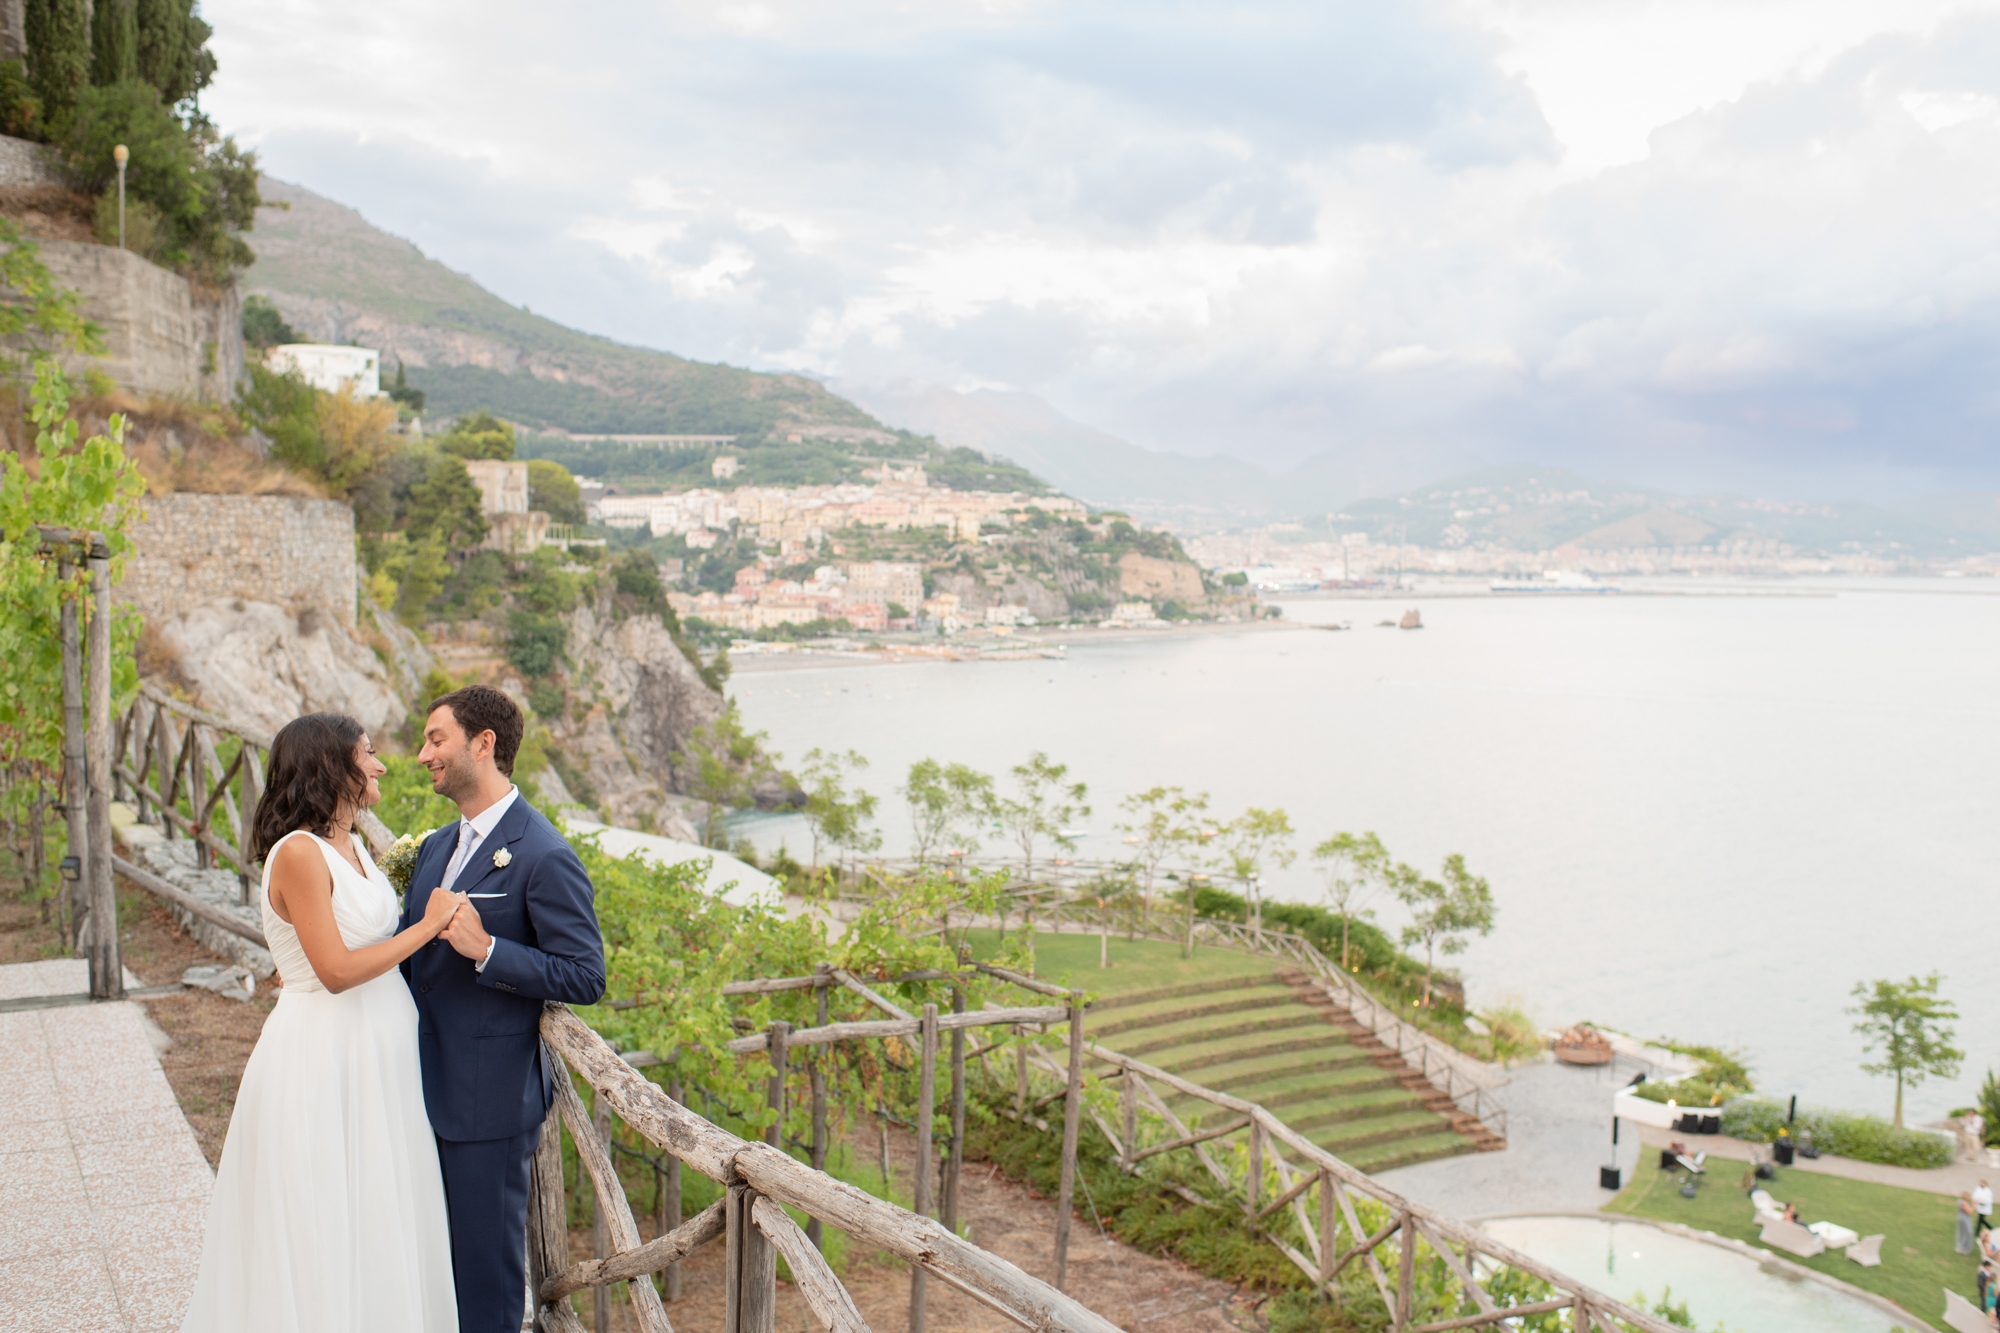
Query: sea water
(1702, 816)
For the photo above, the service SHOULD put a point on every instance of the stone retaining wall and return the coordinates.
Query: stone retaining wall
(190, 550)
(174, 861)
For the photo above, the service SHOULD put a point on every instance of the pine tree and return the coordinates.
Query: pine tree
(58, 36)
(114, 41)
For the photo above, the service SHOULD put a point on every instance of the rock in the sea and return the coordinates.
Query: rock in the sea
(261, 665)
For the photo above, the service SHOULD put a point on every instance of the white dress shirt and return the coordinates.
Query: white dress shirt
(471, 833)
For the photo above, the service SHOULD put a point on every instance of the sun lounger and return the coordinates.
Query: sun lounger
(1692, 1165)
(1867, 1252)
(1792, 1239)
(1963, 1315)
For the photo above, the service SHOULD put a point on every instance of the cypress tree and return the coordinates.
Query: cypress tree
(114, 41)
(172, 48)
(58, 35)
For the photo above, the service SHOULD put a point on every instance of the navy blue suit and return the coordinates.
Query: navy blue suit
(485, 1084)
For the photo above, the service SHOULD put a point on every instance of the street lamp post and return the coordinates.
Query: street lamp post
(119, 155)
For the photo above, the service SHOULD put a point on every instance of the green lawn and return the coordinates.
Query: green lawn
(1136, 965)
(1917, 1256)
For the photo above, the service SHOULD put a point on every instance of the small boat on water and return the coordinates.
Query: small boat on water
(1411, 620)
(1582, 1045)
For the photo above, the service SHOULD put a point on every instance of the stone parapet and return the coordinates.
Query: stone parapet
(190, 550)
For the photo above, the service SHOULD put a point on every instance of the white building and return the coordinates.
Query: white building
(329, 367)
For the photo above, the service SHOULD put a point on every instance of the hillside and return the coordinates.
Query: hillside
(1530, 508)
(338, 278)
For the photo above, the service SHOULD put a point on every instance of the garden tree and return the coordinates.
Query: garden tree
(445, 505)
(263, 326)
(480, 435)
(1149, 829)
(57, 34)
(948, 804)
(401, 392)
(354, 438)
(554, 491)
(1353, 870)
(1047, 805)
(114, 41)
(1909, 1023)
(722, 765)
(1247, 844)
(66, 481)
(172, 48)
(1166, 821)
(1442, 914)
(1989, 1108)
(838, 812)
(196, 189)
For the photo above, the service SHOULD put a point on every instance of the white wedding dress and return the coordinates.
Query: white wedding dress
(328, 1214)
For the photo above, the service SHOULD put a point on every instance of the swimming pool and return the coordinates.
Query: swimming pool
(1718, 1284)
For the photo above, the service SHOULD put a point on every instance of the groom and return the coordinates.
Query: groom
(531, 936)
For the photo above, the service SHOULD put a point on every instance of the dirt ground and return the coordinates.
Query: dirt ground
(212, 1038)
(1135, 1291)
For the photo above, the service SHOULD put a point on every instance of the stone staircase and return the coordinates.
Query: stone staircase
(1277, 1040)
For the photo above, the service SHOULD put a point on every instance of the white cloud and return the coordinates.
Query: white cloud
(1683, 241)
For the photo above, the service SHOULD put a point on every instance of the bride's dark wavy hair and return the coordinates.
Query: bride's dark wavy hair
(312, 773)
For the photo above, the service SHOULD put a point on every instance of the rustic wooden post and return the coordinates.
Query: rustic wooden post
(75, 801)
(1072, 1113)
(815, 1229)
(926, 1155)
(1021, 1078)
(107, 972)
(670, 1206)
(780, 1034)
(548, 1216)
(1128, 1105)
(955, 1164)
(1406, 1271)
(600, 1230)
(1253, 1186)
(1327, 1249)
(750, 1269)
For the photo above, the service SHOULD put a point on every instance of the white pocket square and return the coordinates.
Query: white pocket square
(486, 895)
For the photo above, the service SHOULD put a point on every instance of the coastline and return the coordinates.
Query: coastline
(977, 646)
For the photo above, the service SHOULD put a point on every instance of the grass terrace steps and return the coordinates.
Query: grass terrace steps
(1234, 1022)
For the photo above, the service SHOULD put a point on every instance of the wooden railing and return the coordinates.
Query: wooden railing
(199, 776)
(1320, 1192)
(1343, 1216)
(759, 1181)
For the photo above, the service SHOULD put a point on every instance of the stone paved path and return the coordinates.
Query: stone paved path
(103, 1189)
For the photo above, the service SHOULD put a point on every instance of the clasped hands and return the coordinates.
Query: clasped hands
(452, 918)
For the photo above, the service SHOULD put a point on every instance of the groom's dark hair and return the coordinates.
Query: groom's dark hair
(479, 708)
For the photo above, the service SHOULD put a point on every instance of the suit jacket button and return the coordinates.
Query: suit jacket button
(425, 988)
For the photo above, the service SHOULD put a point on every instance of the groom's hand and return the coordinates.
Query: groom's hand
(467, 933)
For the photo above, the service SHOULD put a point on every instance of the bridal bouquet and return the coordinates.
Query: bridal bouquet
(400, 861)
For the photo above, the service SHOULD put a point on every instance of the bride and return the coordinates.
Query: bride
(329, 1214)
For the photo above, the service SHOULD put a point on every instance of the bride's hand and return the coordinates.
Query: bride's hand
(439, 911)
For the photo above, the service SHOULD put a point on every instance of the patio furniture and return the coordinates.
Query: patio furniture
(1867, 1251)
(1768, 1208)
(1792, 1239)
(1963, 1315)
(1835, 1235)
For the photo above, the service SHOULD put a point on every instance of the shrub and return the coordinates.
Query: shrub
(1862, 1138)
(263, 325)
(534, 643)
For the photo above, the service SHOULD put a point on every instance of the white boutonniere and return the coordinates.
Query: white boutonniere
(502, 858)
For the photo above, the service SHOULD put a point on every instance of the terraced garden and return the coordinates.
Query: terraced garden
(1235, 1023)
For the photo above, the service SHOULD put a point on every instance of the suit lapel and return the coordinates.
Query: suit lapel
(510, 828)
(429, 870)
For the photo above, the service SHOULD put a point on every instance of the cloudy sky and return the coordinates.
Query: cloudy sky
(1743, 243)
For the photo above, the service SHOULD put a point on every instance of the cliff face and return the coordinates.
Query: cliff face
(635, 699)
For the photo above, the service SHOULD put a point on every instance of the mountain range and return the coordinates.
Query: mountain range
(338, 278)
